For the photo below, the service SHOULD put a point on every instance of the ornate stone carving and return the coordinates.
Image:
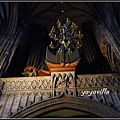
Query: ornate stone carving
(63, 80)
(30, 71)
(35, 89)
(70, 79)
(59, 81)
(57, 93)
(99, 80)
(35, 83)
(47, 95)
(19, 108)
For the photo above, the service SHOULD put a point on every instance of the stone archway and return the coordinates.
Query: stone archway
(66, 102)
(67, 113)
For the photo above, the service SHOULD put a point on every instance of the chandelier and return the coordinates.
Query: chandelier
(67, 35)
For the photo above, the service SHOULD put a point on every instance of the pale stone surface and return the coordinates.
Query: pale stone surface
(44, 88)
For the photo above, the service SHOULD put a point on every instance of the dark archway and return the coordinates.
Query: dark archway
(67, 113)
(66, 102)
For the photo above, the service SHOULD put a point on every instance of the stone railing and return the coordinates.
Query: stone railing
(98, 80)
(21, 92)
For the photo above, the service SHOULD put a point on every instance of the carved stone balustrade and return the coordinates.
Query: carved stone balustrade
(21, 92)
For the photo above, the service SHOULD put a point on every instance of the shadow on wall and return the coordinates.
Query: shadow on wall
(67, 113)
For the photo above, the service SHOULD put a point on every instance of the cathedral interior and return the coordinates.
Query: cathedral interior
(27, 43)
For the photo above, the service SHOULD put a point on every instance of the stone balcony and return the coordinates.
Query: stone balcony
(21, 92)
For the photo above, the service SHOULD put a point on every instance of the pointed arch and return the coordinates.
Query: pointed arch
(64, 101)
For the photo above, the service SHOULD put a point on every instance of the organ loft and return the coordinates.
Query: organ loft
(59, 60)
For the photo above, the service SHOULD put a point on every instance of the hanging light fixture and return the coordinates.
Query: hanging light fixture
(66, 34)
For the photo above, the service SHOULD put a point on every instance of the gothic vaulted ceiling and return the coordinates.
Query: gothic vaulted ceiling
(17, 17)
(47, 13)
